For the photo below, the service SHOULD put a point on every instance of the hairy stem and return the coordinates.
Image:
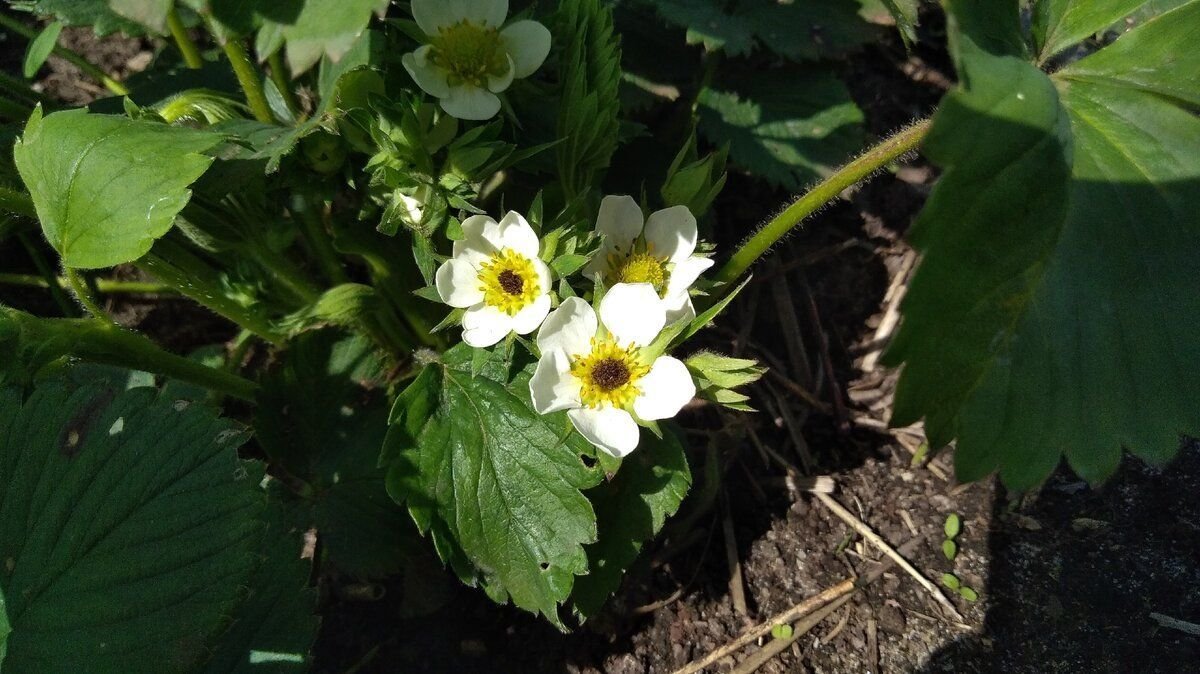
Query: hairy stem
(83, 293)
(104, 285)
(107, 343)
(178, 267)
(247, 76)
(83, 64)
(824, 192)
(187, 47)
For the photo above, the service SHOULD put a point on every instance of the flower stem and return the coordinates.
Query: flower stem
(62, 52)
(187, 47)
(247, 76)
(179, 268)
(107, 343)
(824, 192)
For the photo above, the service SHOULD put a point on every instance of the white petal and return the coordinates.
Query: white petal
(470, 102)
(598, 264)
(569, 328)
(679, 307)
(672, 233)
(633, 313)
(433, 15)
(488, 12)
(484, 325)
(528, 43)
(620, 220)
(498, 83)
(427, 76)
(515, 233)
(552, 387)
(543, 275)
(481, 236)
(608, 428)
(528, 319)
(685, 273)
(457, 282)
(665, 389)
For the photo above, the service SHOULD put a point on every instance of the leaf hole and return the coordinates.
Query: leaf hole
(588, 461)
(545, 566)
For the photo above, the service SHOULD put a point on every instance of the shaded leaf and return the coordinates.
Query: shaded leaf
(324, 28)
(1058, 24)
(40, 48)
(94, 13)
(133, 558)
(106, 187)
(630, 509)
(787, 135)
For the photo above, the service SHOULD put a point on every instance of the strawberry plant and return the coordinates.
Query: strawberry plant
(473, 314)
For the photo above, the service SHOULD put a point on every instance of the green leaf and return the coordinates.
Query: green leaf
(787, 134)
(1058, 24)
(1058, 258)
(782, 631)
(968, 594)
(800, 30)
(322, 416)
(906, 14)
(993, 26)
(273, 628)
(951, 581)
(497, 486)
(5, 628)
(94, 13)
(953, 525)
(949, 549)
(565, 265)
(149, 13)
(631, 509)
(40, 48)
(323, 28)
(106, 187)
(127, 529)
(590, 70)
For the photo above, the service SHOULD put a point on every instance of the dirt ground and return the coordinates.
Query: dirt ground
(1067, 578)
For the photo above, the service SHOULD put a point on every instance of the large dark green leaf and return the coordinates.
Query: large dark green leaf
(322, 416)
(106, 187)
(1053, 310)
(274, 626)
(128, 527)
(630, 509)
(495, 484)
(1058, 24)
(788, 135)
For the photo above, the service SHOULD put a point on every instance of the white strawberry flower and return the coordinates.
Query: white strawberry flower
(496, 275)
(472, 55)
(600, 371)
(658, 250)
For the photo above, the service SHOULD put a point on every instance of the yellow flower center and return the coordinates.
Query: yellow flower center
(509, 282)
(609, 374)
(470, 53)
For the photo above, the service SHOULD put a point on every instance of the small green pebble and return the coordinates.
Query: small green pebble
(953, 525)
(783, 631)
(968, 594)
(950, 549)
(951, 581)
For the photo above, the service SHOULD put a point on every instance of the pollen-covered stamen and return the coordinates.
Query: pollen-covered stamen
(509, 281)
(470, 53)
(639, 265)
(609, 374)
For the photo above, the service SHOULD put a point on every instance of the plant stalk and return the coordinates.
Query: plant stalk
(107, 343)
(83, 293)
(247, 76)
(824, 192)
(104, 285)
(83, 64)
(187, 46)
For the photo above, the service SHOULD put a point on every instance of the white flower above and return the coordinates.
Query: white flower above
(496, 275)
(599, 371)
(658, 250)
(471, 55)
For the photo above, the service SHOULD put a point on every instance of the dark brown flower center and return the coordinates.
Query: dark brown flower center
(511, 282)
(610, 374)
